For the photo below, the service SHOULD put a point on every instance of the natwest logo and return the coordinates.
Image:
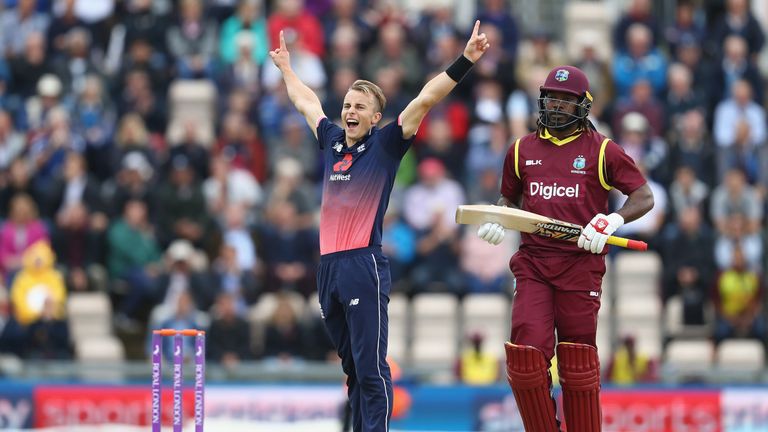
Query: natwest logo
(340, 177)
(548, 191)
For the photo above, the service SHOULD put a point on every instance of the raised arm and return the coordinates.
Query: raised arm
(438, 87)
(302, 97)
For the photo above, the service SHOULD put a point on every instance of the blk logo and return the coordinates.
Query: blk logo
(344, 164)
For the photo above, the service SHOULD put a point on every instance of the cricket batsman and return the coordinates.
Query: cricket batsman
(565, 170)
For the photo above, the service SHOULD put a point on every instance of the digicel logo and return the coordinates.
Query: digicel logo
(547, 191)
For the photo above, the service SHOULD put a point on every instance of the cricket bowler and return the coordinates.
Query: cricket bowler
(360, 162)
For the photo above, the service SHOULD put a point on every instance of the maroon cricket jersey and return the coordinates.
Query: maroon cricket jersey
(566, 179)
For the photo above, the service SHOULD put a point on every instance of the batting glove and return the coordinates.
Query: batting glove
(491, 232)
(596, 232)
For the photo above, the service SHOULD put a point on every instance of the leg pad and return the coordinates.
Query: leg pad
(528, 375)
(579, 369)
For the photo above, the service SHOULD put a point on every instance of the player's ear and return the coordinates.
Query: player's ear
(376, 117)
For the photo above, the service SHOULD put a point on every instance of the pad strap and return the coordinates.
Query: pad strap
(579, 369)
(528, 375)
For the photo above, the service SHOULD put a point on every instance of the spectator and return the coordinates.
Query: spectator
(689, 264)
(228, 277)
(738, 300)
(134, 258)
(48, 336)
(289, 184)
(18, 24)
(29, 67)
(12, 142)
(628, 366)
(737, 20)
(693, 147)
(18, 181)
(22, 229)
(36, 282)
(344, 52)
(248, 18)
(476, 366)
(497, 13)
(640, 60)
(284, 335)
(648, 227)
(639, 13)
(243, 74)
(392, 51)
(296, 143)
(182, 316)
(639, 141)
(734, 195)
(439, 145)
(192, 42)
(346, 13)
(398, 242)
(291, 14)
(495, 64)
(230, 186)
(287, 250)
(49, 98)
(132, 181)
(487, 148)
(229, 336)
(643, 101)
(735, 66)
(681, 96)
(593, 64)
(189, 141)
(76, 62)
(180, 275)
(59, 27)
(735, 236)
(485, 269)
(94, 117)
(687, 191)
(235, 233)
(686, 25)
(183, 213)
(240, 143)
(539, 51)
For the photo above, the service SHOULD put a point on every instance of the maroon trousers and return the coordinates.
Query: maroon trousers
(559, 294)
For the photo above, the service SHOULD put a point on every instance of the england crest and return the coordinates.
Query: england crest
(562, 75)
(579, 163)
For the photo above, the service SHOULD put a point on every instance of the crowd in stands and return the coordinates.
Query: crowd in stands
(189, 225)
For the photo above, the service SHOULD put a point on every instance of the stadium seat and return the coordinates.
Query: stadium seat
(674, 328)
(688, 358)
(637, 273)
(99, 349)
(89, 315)
(489, 315)
(435, 327)
(745, 355)
(398, 327)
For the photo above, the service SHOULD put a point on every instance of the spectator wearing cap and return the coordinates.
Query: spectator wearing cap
(133, 180)
(49, 96)
(18, 24)
(192, 42)
(183, 212)
(180, 274)
(638, 140)
(249, 18)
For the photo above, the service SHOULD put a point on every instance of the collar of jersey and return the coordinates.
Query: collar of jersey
(544, 134)
(347, 149)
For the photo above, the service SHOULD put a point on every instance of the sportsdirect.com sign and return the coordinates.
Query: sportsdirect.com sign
(433, 407)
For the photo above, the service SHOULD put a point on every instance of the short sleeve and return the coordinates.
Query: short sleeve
(621, 171)
(511, 185)
(392, 139)
(326, 130)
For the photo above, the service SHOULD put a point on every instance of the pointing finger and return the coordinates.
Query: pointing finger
(282, 41)
(476, 29)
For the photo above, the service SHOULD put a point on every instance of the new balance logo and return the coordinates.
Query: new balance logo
(354, 302)
(533, 162)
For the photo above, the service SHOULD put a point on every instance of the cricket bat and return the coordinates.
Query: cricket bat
(527, 222)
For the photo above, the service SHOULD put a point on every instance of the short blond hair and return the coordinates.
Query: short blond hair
(370, 89)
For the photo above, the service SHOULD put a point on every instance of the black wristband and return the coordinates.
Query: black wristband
(459, 68)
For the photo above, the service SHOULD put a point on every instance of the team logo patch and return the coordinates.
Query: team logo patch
(344, 164)
(579, 163)
(562, 75)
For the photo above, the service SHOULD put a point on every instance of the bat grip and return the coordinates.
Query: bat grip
(627, 243)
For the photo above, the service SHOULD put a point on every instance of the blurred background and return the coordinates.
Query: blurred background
(153, 173)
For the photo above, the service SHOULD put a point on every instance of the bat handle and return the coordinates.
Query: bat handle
(627, 243)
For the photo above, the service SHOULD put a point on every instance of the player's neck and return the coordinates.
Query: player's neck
(351, 141)
(563, 133)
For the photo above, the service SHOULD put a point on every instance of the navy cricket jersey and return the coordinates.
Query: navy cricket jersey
(357, 182)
